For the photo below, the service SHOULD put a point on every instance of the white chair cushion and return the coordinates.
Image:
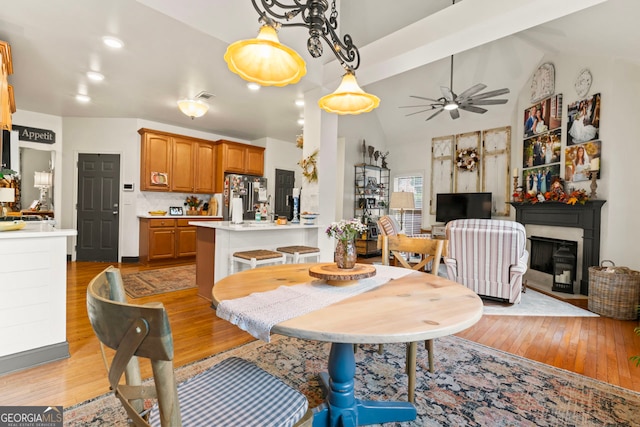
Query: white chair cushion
(236, 392)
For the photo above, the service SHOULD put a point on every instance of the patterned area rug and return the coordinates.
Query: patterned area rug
(152, 282)
(473, 385)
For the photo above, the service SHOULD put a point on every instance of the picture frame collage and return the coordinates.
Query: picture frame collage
(542, 144)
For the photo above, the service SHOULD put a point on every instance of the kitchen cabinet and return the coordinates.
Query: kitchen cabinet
(177, 163)
(234, 157)
(156, 161)
(7, 102)
(168, 239)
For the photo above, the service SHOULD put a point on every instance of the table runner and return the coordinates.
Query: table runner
(258, 312)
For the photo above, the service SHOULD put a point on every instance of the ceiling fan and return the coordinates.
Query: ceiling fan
(467, 100)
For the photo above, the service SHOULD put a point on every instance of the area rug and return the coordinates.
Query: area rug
(534, 303)
(152, 282)
(473, 385)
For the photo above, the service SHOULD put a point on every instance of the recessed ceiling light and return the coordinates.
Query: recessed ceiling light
(253, 86)
(95, 76)
(82, 98)
(113, 42)
(301, 122)
(300, 102)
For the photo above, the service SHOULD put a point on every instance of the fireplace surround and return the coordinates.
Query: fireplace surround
(555, 214)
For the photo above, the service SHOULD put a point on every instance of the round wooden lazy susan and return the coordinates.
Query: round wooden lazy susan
(341, 276)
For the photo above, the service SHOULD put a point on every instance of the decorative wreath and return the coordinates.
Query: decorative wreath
(467, 159)
(309, 167)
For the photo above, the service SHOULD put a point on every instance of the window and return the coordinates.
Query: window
(412, 218)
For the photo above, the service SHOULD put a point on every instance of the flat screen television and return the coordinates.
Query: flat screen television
(450, 206)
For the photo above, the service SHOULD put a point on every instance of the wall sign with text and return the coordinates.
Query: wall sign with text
(43, 136)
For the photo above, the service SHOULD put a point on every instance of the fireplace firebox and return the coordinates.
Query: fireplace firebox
(587, 217)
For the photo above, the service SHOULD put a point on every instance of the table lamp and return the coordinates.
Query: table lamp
(401, 200)
(43, 180)
(7, 195)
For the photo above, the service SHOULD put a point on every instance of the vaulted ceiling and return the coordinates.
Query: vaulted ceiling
(174, 49)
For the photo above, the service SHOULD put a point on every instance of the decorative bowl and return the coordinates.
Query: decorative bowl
(12, 225)
(308, 217)
(157, 213)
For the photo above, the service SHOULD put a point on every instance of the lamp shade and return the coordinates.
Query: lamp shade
(401, 200)
(349, 98)
(42, 179)
(7, 195)
(264, 60)
(193, 107)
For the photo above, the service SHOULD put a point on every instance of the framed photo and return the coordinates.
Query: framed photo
(175, 210)
(372, 182)
(373, 231)
(583, 122)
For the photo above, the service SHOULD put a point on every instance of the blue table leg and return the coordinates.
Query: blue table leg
(342, 409)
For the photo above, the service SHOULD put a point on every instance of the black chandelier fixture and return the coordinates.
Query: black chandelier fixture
(264, 60)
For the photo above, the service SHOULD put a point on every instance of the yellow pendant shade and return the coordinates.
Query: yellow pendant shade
(265, 60)
(349, 98)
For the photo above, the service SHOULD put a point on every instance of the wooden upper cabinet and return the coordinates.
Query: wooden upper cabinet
(183, 165)
(170, 162)
(7, 103)
(255, 161)
(234, 157)
(205, 168)
(156, 161)
(241, 158)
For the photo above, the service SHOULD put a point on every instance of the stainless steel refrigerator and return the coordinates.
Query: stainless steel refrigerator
(251, 189)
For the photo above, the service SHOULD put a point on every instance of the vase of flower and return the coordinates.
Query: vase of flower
(345, 255)
(345, 232)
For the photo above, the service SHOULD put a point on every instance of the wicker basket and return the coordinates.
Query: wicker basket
(614, 291)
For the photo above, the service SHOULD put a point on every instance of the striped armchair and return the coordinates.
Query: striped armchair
(487, 256)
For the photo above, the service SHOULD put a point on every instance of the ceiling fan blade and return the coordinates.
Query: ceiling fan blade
(491, 93)
(415, 106)
(472, 90)
(447, 93)
(418, 112)
(435, 114)
(473, 109)
(454, 113)
(474, 101)
(422, 97)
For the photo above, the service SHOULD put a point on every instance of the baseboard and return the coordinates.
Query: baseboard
(34, 357)
(130, 259)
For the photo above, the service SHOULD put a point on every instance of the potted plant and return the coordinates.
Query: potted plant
(193, 203)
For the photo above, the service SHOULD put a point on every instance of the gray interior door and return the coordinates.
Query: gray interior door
(285, 180)
(98, 207)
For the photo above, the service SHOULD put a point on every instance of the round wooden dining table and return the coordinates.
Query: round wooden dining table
(415, 307)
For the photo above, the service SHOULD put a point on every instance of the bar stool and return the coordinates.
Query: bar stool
(299, 252)
(256, 257)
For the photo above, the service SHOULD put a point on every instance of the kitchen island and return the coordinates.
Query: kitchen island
(217, 240)
(33, 296)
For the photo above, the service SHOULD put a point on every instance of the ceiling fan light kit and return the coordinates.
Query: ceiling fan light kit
(467, 100)
(266, 61)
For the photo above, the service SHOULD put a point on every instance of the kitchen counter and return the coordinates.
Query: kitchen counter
(217, 240)
(33, 296)
(252, 226)
(178, 216)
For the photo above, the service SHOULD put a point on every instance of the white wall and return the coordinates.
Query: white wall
(117, 136)
(620, 88)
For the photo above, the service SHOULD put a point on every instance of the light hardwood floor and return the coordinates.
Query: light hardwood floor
(596, 347)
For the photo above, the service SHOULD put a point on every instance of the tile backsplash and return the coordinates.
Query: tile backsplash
(149, 201)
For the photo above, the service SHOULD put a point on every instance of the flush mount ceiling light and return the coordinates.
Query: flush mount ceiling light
(264, 60)
(193, 107)
(113, 42)
(82, 98)
(95, 76)
(253, 86)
